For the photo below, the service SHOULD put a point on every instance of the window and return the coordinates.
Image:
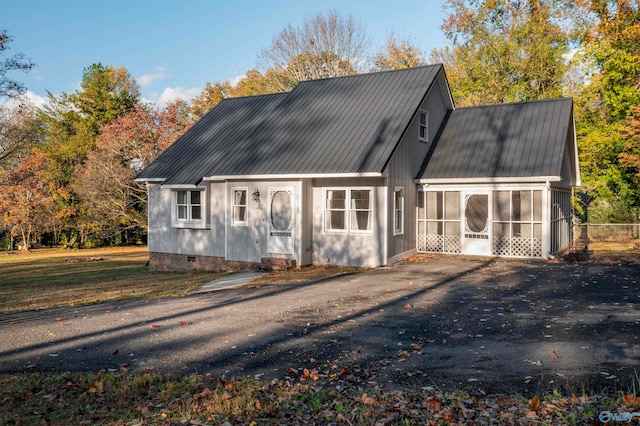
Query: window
(423, 134)
(398, 214)
(348, 210)
(239, 200)
(189, 206)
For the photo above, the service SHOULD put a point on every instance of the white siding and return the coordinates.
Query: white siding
(405, 165)
(249, 243)
(163, 238)
(349, 249)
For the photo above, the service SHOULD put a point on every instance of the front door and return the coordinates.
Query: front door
(280, 238)
(475, 237)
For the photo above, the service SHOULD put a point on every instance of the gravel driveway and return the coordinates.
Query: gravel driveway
(482, 325)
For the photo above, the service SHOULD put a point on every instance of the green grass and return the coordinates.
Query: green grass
(52, 277)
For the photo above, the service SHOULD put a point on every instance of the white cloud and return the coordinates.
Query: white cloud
(172, 93)
(235, 80)
(147, 80)
(28, 97)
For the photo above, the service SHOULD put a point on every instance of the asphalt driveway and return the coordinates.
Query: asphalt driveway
(478, 324)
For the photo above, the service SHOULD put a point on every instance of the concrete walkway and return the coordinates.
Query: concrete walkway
(229, 281)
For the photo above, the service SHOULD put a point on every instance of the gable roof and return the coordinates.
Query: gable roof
(344, 125)
(517, 140)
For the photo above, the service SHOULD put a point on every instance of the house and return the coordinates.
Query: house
(362, 170)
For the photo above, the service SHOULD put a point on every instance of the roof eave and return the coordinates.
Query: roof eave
(489, 180)
(149, 180)
(291, 176)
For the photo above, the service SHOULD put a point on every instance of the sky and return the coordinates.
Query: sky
(173, 48)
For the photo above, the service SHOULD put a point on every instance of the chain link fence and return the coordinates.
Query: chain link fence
(587, 233)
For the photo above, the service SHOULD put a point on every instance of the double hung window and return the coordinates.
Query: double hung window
(239, 202)
(423, 132)
(189, 205)
(348, 210)
(398, 211)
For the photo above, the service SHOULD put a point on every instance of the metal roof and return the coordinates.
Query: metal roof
(338, 125)
(502, 141)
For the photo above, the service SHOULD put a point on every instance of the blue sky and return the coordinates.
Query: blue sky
(173, 48)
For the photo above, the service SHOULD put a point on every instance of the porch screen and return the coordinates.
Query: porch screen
(476, 214)
(517, 223)
(439, 221)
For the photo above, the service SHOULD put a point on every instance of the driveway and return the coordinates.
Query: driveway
(478, 324)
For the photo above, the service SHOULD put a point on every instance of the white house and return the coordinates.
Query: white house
(362, 170)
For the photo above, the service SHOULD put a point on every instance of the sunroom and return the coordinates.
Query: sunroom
(498, 182)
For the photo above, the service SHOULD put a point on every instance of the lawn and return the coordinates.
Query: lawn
(55, 277)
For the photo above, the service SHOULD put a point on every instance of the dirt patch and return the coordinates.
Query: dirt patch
(303, 274)
(601, 257)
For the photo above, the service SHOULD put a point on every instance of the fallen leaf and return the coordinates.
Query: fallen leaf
(553, 355)
(154, 326)
(630, 400)
(416, 347)
(58, 319)
(95, 387)
(226, 395)
(534, 404)
(11, 322)
(367, 400)
(408, 306)
(185, 323)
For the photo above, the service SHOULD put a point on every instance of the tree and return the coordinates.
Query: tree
(112, 203)
(73, 122)
(397, 54)
(504, 50)
(17, 62)
(631, 156)
(611, 36)
(326, 45)
(20, 130)
(606, 113)
(210, 96)
(25, 201)
(255, 83)
(105, 93)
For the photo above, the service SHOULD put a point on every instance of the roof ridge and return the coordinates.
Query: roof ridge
(370, 73)
(536, 101)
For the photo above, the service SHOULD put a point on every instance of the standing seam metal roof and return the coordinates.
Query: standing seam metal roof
(338, 125)
(512, 140)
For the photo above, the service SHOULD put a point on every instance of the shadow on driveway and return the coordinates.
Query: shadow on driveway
(483, 325)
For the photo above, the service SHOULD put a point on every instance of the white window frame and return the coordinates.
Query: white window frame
(349, 210)
(398, 210)
(189, 221)
(424, 126)
(235, 222)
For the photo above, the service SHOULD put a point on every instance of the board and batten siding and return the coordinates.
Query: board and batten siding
(165, 238)
(405, 165)
(349, 249)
